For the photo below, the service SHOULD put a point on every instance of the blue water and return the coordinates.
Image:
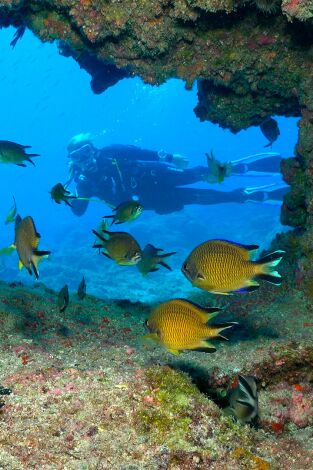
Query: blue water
(45, 100)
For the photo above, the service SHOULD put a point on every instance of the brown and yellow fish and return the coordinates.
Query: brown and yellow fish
(181, 325)
(60, 194)
(119, 246)
(11, 152)
(151, 258)
(125, 212)
(224, 267)
(26, 242)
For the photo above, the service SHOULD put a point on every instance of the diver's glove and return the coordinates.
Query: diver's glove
(217, 171)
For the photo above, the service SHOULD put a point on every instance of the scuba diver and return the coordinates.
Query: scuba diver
(159, 180)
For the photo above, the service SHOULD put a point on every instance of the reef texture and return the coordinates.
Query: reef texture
(87, 392)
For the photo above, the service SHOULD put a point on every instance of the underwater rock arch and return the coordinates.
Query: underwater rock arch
(251, 60)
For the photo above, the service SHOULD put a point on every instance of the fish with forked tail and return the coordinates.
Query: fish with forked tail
(243, 400)
(224, 267)
(182, 325)
(11, 152)
(81, 290)
(26, 242)
(60, 194)
(125, 212)
(119, 246)
(151, 257)
(63, 298)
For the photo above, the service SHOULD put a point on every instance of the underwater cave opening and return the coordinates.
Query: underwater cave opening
(46, 100)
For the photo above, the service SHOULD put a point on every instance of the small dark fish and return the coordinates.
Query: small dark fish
(26, 242)
(125, 212)
(60, 194)
(119, 246)
(63, 298)
(19, 33)
(151, 257)
(11, 152)
(243, 399)
(81, 291)
(11, 214)
(270, 130)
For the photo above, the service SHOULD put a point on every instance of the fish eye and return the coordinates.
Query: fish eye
(185, 267)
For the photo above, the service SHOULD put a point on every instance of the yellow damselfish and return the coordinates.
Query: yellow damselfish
(181, 325)
(224, 267)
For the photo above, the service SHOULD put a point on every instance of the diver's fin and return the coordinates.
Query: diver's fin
(165, 265)
(255, 157)
(256, 189)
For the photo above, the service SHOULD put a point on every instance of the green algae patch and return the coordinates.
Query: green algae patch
(169, 405)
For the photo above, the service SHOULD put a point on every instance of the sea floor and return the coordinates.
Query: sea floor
(88, 393)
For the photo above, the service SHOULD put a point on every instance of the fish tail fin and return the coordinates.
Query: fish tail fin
(33, 155)
(108, 216)
(100, 236)
(165, 265)
(217, 329)
(268, 145)
(165, 255)
(266, 267)
(38, 255)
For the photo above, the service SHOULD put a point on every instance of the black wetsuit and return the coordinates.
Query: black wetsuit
(122, 172)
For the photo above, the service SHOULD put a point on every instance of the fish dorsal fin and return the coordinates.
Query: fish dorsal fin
(247, 251)
(204, 313)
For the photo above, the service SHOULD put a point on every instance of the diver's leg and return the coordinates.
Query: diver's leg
(188, 176)
(187, 196)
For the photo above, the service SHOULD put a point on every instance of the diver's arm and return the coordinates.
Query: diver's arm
(82, 190)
